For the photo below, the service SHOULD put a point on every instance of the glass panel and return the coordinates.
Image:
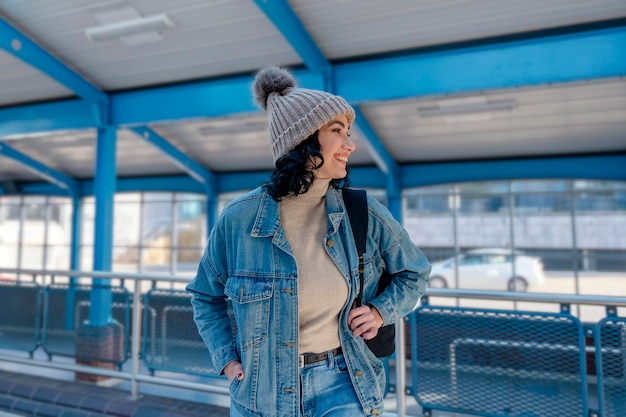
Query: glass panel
(34, 199)
(483, 233)
(58, 257)
(151, 197)
(125, 259)
(483, 204)
(124, 255)
(187, 260)
(157, 224)
(600, 236)
(188, 256)
(86, 258)
(88, 213)
(494, 187)
(9, 255)
(433, 189)
(35, 221)
(599, 185)
(429, 221)
(32, 256)
(600, 201)
(127, 218)
(543, 232)
(10, 199)
(60, 227)
(156, 259)
(127, 198)
(543, 202)
(189, 197)
(420, 206)
(9, 223)
(191, 233)
(539, 185)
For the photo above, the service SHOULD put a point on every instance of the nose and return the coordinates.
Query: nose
(348, 144)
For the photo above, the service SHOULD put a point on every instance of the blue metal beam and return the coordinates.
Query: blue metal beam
(46, 117)
(229, 182)
(196, 170)
(554, 59)
(16, 43)
(42, 188)
(49, 174)
(385, 162)
(287, 22)
(598, 167)
(580, 56)
(375, 146)
(214, 98)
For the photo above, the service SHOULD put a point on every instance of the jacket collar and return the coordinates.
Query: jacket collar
(267, 219)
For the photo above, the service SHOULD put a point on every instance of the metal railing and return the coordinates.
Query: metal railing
(136, 377)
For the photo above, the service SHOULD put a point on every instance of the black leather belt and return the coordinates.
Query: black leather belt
(309, 358)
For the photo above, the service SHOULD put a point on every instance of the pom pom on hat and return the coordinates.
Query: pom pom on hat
(294, 113)
(271, 80)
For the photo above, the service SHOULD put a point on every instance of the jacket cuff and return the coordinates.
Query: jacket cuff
(223, 357)
(388, 314)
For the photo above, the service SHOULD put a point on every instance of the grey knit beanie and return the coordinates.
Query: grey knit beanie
(294, 113)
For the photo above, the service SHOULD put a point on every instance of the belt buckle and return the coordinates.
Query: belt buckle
(301, 361)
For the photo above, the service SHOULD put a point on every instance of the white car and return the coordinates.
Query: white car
(489, 269)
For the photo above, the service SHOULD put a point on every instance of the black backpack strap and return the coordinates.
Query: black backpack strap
(355, 202)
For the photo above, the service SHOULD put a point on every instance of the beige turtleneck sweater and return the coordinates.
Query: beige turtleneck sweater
(322, 289)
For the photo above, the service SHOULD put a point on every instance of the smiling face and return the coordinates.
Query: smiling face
(336, 147)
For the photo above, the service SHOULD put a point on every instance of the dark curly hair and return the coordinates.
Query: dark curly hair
(293, 173)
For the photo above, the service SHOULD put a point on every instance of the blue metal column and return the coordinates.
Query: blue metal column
(104, 190)
(74, 258)
(211, 206)
(76, 233)
(394, 194)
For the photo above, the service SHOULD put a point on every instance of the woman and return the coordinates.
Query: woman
(273, 297)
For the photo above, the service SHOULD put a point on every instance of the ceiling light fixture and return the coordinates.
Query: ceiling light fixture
(129, 27)
(459, 107)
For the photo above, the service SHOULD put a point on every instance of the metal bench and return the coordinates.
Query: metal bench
(498, 363)
(20, 316)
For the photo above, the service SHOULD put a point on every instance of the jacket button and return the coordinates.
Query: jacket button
(331, 243)
(358, 373)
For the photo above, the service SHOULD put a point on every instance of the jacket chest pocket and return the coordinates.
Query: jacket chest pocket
(251, 298)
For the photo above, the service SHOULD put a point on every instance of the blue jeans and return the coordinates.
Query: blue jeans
(326, 389)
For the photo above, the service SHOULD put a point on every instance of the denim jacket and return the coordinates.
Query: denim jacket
(245, 298)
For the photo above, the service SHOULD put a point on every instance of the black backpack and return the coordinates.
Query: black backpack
(355, 201)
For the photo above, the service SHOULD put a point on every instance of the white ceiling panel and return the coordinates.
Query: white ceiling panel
(210, 38)
(558, 119)
(233, 143)
(350, 28)
(14, 171)
(21, 83)
(73, 153)
(136, 157)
